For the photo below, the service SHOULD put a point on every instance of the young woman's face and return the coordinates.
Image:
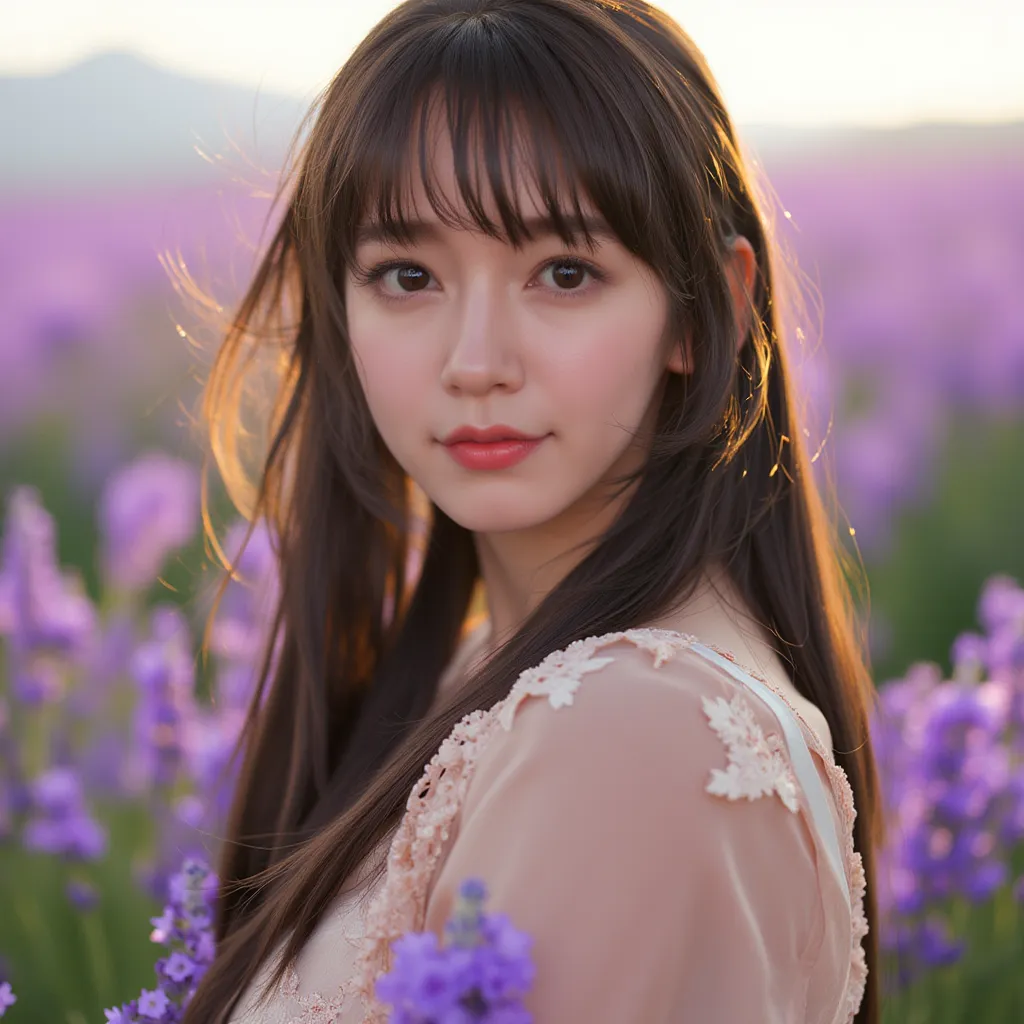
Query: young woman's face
(462, 330)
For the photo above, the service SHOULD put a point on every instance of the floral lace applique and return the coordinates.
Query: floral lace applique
(558, 680)
(290, 1007)
(758, 765)
(316, 1008)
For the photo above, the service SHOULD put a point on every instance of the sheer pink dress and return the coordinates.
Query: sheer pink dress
(663, 822)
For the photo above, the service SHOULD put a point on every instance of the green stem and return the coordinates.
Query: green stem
(40, 944)
(99, 957)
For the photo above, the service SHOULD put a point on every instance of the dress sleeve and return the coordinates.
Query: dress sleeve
(650, 900)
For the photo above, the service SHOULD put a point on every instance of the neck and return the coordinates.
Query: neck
(715, 614)
(520, 568)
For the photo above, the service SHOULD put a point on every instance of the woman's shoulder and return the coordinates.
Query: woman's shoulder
(616, 736)
(645, 673)
(628, 710)
(674, 703)
(642, 705)
(655, 691)
(647, 711)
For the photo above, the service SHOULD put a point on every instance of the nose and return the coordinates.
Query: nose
(482, 354)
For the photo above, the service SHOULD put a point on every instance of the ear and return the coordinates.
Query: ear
(740, 270)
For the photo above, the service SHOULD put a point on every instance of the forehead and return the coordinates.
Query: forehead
(476, 180)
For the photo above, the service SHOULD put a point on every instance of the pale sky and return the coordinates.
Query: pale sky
(798, 62)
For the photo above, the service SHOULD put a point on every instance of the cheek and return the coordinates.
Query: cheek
(392, 379)
(605, 380)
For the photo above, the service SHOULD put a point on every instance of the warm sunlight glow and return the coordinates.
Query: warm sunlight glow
(798, 62)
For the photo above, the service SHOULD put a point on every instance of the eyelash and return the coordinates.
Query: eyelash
(375, 274)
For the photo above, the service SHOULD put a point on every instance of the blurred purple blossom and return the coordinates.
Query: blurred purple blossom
(81, 279)
(163, 668)
(1001, 606)
(918, 263)
(82, 895)
(7, 997)
(952, 767)
(45, 614)
(479, 973)
(60, 823)
(213, 766)
(148, 509)
(250, 598)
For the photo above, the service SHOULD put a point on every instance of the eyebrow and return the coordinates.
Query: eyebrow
(538, 227)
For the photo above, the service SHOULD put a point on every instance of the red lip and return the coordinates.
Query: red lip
(488, 434)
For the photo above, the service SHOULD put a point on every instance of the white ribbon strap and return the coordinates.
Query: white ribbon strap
(799, 755)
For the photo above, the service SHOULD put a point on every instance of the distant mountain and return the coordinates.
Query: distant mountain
(948, 140)
(117, 119)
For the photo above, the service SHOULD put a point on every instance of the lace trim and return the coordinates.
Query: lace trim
(314, 1008)
(399, 905)
(758, 765)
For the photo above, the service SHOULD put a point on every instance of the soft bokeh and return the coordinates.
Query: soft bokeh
(116, 733)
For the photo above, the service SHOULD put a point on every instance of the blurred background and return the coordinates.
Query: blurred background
(137, 137)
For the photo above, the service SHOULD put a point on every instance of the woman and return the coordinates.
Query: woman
(522, 277)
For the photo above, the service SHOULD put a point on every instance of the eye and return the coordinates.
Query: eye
(407, 278)
(569, 274)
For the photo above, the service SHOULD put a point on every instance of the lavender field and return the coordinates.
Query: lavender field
(114, 735)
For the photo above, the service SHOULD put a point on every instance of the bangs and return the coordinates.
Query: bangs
(521, 119)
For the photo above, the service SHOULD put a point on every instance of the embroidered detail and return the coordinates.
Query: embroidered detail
(317, 1009)
(314, 1008)
(557, 679)
(856, 982)
(399, 904)
(758, 764)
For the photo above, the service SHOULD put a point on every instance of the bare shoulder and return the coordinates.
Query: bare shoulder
(638, 713)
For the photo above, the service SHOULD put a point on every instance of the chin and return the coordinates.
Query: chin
(502, 517)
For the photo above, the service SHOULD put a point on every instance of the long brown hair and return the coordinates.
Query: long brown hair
(339, 732)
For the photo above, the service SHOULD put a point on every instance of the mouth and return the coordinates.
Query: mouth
(493, 455)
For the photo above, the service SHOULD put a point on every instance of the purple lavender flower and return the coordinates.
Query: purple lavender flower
(479, 974)
(952, 762)
(185, 928)
(82, 895)
(179, 967)
(936, 946)
(969, 657)
(1001, 605)
(61, 823)
(7, 997)
(45, 615)
(180, 829)
(105, 665)
(210, 750)
(245, 610)
(163, 669)
(153, 1004)
(148, 509)
(1006, 651)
